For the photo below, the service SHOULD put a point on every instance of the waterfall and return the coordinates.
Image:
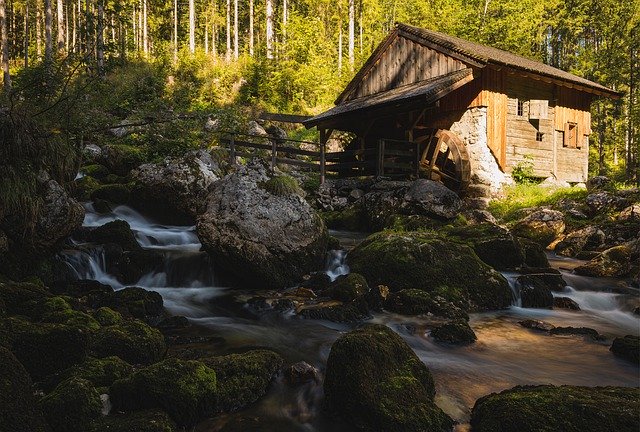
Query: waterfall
(336, 264)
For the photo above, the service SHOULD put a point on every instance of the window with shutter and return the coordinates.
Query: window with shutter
(571, 135)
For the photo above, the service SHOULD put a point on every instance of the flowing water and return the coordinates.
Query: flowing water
(505, 354)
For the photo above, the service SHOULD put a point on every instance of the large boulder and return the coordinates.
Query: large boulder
(258, 226)
(431, 198)
(121, 158)
(534, 292)
(133, 341)
(175, 189)
(72, 406)
(627, 347)
(542, 225)
(18, 409)
(377, 383)
(456, 332)
(614, 262)
(418, 302)
(184, 389)
(586, 239)
(426, 261)
(566, 408)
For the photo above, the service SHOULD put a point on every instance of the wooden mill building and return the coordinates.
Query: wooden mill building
(471, 113)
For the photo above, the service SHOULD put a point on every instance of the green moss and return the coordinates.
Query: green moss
(84, 187)
(139, 302)
(116, 193)
(107, 316)
(351, 218)
(18, 409)
(347, 288)
(376, 382)
(100, 372)
(23, 298)
(456, 332)
(72, 406)
(58, 310)
(282, 185)
(566, 408)
(426, 261)
(122, 158)
(417, 302)
(186, 390)
(243, 378)
(133, 341)
(141, 421)
(96, 171)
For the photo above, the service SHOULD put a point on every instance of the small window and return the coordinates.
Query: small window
(520, 108)
(539, 136)
(571, 135)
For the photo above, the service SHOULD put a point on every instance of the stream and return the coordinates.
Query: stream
(505, 354)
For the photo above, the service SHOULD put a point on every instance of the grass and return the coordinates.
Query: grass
(523, 196)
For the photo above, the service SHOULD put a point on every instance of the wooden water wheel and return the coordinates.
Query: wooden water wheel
(445, 158)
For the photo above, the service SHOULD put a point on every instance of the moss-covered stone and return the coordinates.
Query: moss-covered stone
(96, 171)
(133, 341)
(139, 302)
(23, 298)
(184, 389)
(18, 408)
(627, 347)
(84, 187)
(107, 316)
(550, 409)
(100, 372)
(243, 378)
(614, 262)
(336, 311)
(58, 310)
(72, 406)
(44, 348)
(426, 261)
(117, 232)
(282, 185)
(351, 218)
(118, 193)
(141, 421)
(534, 255)
(456, 333)
(418, 302)
(377, 383)
(347, 288)
(122, 158)
(534, 292)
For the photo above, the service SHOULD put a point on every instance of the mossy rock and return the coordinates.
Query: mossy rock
(455, 333)
(534, 255)
(59, 311)
(184, 389)
(566, 408)
(25, 299)
(426, 261)
(418, 302)
(139, 303)
(45, 348)
(84, 187)
(96, 171)
(347, 288)
(614, 262)
(627, 347)
(116, 232)
(243, 378)
(337, 311)
(534, 292)
(351, 218)
(115, 193)
(493, 244)
(18, 408)
(107, 316)
(122, 158)
(377, 383)
(282, 185)
(133, 341)
(100, 372)
(72, 406)
(141, 421)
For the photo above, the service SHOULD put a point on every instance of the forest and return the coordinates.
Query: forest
(295, 56)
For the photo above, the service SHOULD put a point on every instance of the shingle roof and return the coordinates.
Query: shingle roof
(488, 55)
(426, 91)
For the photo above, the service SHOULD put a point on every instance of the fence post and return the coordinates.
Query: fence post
(417, 159)
(232, 149)
(273, 154)
(323, 160)
(380, 164)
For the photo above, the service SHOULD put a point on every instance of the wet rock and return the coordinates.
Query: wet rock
(267, 238)
(630, 214)
(23, 298)
(418, 302)
(534, 292)
(382, 202)
(614, 262)
(139, 303)
(575, 331)
(174, 189)
(431, 198)
(350, 218)
(376, 382)
(565, 303)
(538, 408)
(113, 193)
(132, 265)
(426, 261)
(18, 408)
(173, 323)
(116, 232)
(335, 311)
(97, 171)
(133, 341)
(598, 183)
(542, 225)
(534, 255)
(536, 325)
(101, 206)
(377, 297)
(300, 373)
(588, 238)
(347, 288)
(550, 277)
(243, 378)
(72, 406)
(627, 347)
(456, 333)
(140, 421)
(184, 389)
(99, 372)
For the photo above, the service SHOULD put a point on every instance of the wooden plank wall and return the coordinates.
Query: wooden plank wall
(405, 62)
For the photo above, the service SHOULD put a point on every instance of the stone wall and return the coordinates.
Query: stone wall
(486, 176)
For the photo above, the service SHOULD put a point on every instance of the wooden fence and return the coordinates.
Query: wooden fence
(391, 158)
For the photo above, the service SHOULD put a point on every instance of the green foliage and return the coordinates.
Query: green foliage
(522, 172)
(282, 185)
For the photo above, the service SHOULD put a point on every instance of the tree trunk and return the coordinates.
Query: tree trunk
(340, 49)
(235, 29)
(48, 48)
(192, 26)
(26, 35)
(145, 28)
(206, 34)
(251, 28)
(175, 31)
(630, 169)
(269, 17)
(4, 44)
(38, 31)
(214, 30)
(60, 22)
(228, 54)
(100, 38)
(285, 18)
(352, 26)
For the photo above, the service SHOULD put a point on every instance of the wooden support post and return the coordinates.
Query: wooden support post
(274, 151)
(232, 150)
(416, 147)
(380, 165)
(323, 159)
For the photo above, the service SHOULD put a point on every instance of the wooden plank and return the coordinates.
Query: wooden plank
(298, 162)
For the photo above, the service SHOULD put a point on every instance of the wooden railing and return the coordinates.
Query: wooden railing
(390, 158)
